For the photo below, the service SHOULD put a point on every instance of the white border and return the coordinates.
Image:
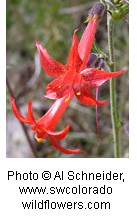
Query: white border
(9, 195)
(3, 78)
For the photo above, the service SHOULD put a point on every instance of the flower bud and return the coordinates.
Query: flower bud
(92, 59)
(98, 9)
(100, 63)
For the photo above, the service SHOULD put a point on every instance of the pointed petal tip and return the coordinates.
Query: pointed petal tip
(88, 99)
(123, 71)
(71, 151)
(49, 65)
(16, 111)
(50, 96)
(37, 43)
(39, 46)
(60, 134)
(103, 102)
(30, 103)
(62, 149)
(76, 30)
(76, 151)
(12, 99)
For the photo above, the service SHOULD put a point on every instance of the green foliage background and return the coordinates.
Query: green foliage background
(53, 22)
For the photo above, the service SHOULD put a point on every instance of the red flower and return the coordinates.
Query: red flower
(45, 126)
(72, 76)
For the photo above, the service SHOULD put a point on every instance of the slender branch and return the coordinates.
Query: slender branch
(113, 105)
(22, 124)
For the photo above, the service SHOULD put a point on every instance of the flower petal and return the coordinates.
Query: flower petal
(49, 65)
(61, 86)
(60, 134)
(30, 115)
(73, 52)
(90, 100)
(55, 112)
(87, 39)
(53, 89)
(83, 93)
(95, 78)
(29, 118)
(62, 149)
(57, 89)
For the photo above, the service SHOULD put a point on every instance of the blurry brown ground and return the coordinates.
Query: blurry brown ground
(52, 23)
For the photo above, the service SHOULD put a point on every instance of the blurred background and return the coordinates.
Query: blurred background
(53, 22)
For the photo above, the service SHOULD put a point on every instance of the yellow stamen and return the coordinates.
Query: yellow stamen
(39, 139)
(66, 100)
(78, 93)
(59, 86)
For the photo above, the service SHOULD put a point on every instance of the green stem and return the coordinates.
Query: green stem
(114, 117)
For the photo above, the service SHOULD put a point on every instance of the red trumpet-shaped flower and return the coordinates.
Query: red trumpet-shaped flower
(45, 126)
(73, 76)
